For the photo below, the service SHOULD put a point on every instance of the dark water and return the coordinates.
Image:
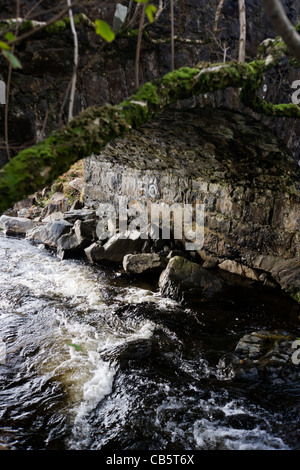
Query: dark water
(94, 361)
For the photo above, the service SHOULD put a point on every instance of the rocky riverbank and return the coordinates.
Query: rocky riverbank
(71, 230)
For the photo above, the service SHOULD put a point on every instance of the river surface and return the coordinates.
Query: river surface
(97, 362)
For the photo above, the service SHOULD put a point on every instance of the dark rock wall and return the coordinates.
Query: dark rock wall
(39, 92)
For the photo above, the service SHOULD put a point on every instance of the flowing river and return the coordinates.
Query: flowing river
(96, 362)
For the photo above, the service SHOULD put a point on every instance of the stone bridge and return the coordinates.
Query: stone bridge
(246, 179)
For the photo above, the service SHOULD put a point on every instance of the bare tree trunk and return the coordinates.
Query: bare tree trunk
(138, 46)
(75, 64)
(6, 136)
(242, 40)
(217, 17)
(172, 34)
(282, 25)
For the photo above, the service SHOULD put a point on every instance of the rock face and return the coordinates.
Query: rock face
(185, 280)
(247, 182)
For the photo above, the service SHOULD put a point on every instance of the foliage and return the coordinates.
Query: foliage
(6, 51)
(104, 30)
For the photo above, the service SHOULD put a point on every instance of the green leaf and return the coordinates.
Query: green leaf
(142, 1)
(4, 46)
(10, 36)
(150, 9)
(16, 64)
(75, 346)
(104, 30)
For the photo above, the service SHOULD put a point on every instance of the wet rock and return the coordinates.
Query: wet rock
(262, 354)
(15, 225)
(73, 243)
(286, 272)
(185, 280)
(118, 246)
(50, 233)
(94, 252)
(122, 244)
(143, 263)
(237, 268)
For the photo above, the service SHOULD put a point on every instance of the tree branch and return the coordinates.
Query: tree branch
(75, 63)
(283, 27)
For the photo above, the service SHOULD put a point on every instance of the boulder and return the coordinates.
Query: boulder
(50, 233)
(185, 280)
(85, 231)
(118, 246)
(73, 243)
(94, 252)
(122, 244)
(262, 354)
(77, 184)
(57, 203)
(25, 203)
(15, 225)
(68, 246)
(143, 263)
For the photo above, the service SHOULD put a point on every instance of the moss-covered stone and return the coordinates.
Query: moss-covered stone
(87, 133)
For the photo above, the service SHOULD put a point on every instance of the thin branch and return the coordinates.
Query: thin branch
(172, 34)
(75, 64)
(138, 46)
(6, 136)
(217, 17)
(42, 25)
(131, 21)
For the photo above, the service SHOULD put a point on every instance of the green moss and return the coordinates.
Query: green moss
(296, 296)
(57, 27)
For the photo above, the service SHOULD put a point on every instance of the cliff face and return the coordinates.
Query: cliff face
(39, 92)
